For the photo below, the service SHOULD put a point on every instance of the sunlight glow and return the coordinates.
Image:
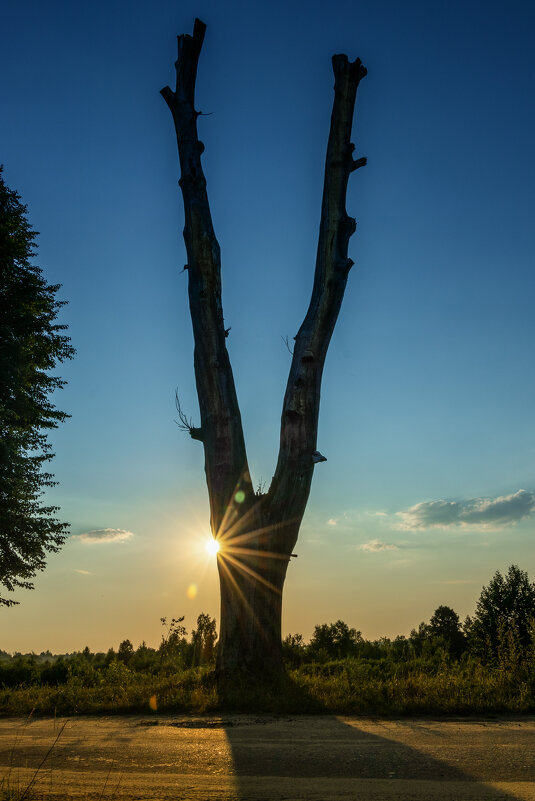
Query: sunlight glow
(212, 546)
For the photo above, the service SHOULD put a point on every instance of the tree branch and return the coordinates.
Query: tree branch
(184, 423)
(293, 475)
(222, 434)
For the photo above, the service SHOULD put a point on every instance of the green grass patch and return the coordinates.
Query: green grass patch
(343, 687)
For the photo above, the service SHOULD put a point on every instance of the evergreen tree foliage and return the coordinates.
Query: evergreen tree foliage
(507, 604)
(31, 345)
(125, 652)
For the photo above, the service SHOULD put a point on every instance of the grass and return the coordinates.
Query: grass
(452, 691)
(343, 687)
(10, 788)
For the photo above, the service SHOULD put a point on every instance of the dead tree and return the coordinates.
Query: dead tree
(257, 532)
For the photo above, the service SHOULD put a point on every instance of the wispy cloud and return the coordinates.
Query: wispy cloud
(346, 518)
(104, 535)
(377, 545)
(477, 513)
(82, 572)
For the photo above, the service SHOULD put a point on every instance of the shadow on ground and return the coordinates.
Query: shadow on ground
(326, 757)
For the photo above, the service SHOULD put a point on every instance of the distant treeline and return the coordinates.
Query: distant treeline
(486, 663)
(175, 653)
(501, 632)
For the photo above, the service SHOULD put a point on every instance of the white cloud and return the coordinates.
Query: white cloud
(344, 519)
(104, 535)
(377, 545)
(82, 572)
(477, 513)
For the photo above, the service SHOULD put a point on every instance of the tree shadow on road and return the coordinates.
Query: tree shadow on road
(323, 756)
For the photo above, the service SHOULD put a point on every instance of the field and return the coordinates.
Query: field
(348, 686)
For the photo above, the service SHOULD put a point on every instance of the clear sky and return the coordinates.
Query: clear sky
(429, 388)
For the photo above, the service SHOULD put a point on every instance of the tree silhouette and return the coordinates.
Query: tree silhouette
(445, 625)
(203, 639)
(258, 531)
(506, 604)
(334, 641)
(31, 344)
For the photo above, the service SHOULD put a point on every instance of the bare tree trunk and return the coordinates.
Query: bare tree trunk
(257, 533)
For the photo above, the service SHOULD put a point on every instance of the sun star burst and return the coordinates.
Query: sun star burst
(212, 546)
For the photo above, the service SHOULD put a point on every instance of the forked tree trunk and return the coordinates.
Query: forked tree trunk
(257, 533)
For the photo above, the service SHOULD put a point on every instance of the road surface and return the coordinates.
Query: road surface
(267, 758)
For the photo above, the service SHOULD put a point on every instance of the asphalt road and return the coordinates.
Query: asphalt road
(249, 758)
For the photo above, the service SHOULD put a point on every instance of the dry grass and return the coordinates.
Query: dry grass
(348, 686)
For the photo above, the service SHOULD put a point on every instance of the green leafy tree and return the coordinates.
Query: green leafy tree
(31, 345)
(445, 625)
(418, 637)
(293, 649)
(399, 649)
(506, 604)
(334, 641)
(174, 646)
(125, 652)
(203, 640)
(87, 655)
(145, 659)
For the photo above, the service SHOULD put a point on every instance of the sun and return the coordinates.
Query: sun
(212, 546)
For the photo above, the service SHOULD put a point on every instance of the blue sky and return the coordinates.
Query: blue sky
(427, 401)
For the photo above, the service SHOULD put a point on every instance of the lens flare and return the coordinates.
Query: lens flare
(212, 546)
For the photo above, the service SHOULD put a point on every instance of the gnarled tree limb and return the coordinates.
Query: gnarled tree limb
(299, 423)
(222, 434)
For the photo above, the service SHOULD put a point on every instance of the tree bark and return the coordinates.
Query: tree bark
(257, 533)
